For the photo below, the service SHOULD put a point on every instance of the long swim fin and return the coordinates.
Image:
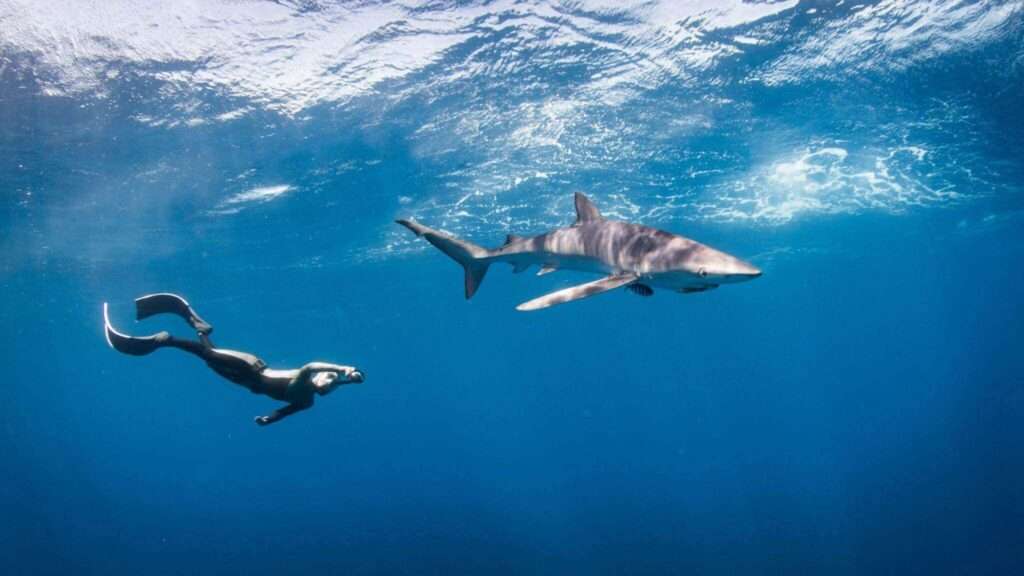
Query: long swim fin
(166, 303)
(133, 345)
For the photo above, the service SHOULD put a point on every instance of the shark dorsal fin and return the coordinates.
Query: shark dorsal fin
(585, 210)
(512, 238)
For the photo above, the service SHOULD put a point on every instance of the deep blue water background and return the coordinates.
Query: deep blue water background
(857, 410)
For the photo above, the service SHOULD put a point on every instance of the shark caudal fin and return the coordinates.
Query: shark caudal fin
(471, 256)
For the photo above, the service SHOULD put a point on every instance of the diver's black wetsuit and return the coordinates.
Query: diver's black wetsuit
(293, 386)
(239, 367)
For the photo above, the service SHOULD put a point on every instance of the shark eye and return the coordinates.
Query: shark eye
(702, 272)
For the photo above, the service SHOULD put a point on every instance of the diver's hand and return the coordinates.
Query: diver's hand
(325, 382)
(264, 420)
(355, 375)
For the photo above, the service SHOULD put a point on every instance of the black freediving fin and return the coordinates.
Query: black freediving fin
(166, 303)
(132, 345)
(641, 289)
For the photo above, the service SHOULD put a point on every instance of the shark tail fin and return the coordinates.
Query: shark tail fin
(472, 257)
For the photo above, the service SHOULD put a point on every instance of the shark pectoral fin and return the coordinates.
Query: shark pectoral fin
(520, 267)
(546, 270)
(577, 292)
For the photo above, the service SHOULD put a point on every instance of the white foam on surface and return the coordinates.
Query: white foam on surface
(829, 181)
(283, 57)
(260, 195)
(892, 35)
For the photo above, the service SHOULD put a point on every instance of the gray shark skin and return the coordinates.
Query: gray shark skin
(631, 255)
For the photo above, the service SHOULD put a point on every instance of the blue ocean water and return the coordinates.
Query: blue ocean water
(857, 410)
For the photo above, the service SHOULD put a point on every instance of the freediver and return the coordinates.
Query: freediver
(298, 387)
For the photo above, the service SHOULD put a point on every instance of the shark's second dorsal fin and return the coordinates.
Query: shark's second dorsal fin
(585, 210)
(512, 238)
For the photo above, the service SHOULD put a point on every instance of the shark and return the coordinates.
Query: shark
(627, 255)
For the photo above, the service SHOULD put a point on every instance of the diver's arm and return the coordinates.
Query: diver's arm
(305, 376)
(283, 413)
(312, 368)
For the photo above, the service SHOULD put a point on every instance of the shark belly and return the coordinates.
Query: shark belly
(674, 280)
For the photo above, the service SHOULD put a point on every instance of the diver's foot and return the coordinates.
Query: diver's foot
(201, 327)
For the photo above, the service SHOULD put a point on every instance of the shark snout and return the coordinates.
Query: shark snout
(745, 271)
(736, 270)
(719, 267)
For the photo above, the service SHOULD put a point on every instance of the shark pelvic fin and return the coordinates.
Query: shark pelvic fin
(577, 292)
(585, 210)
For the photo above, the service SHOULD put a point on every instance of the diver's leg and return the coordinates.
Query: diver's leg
(153, 304)
(235, 366)
(191, 346)
(204, 339)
